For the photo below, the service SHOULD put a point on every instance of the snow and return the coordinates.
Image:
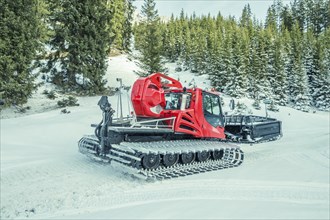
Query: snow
(44, 177)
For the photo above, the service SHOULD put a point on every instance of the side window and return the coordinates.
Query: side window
(211, 104)
(174, 100)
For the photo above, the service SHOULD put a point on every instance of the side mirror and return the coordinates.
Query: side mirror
(232, 104)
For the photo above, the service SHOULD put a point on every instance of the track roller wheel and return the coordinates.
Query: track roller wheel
(170, 159)
(203, 156)
(217, 154)
(187, 158)
(151, 161)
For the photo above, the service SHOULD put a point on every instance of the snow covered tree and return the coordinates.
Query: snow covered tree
(280, 84)
(80, 44)
(299, 13)
(259, 85)
(237, 76)
(149, 41)
(19, 44)
(310, 60)
(321, 81)
(299, 82)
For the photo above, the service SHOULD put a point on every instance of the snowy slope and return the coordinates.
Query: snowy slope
(44, 176)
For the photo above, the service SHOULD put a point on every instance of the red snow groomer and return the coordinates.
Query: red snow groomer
(175, 131)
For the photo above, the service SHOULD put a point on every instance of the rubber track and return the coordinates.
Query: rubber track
(127, 156)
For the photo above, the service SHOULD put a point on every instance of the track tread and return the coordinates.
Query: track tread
(128, 156)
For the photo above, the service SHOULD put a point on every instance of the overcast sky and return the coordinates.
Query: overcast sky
(228, 7)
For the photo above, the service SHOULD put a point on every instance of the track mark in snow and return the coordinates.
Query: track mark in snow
(231, 190)
(55, 197)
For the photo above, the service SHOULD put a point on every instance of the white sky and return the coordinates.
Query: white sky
(228, 7)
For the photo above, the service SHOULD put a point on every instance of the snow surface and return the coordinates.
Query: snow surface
(44, 177)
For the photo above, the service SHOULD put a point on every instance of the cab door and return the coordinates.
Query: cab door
(213, 125)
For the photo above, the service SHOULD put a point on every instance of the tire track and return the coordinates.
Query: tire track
(103, 194)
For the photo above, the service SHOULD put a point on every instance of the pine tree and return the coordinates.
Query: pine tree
(245, 20)
(317, 12)
(280, 84)
(259, 81)
(80, 43)
(43, 13)
(286, 19)
(271, 19)
(236, 85)
(226, 66)
(310, 60)
(299, 82)
(127, 27)
(169, 40)
(321, 95)
(253, 69)
(117, 23)
(185, 42)
(299, 13)
(150, 41)
(19, 44)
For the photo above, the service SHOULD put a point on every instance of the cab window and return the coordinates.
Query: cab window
(173, 101)
(212, 109)
(211, 104)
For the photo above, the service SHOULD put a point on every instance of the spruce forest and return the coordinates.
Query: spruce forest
(285, 58)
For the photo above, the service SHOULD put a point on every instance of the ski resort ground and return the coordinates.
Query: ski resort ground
(44, 177)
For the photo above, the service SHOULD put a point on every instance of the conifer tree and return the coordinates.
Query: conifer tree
(170, 41)
(271, 19)
(299, 82)
(310, 59)
(19, 44)
(245, 20)
(321, 95)
(299, 13)
(150, 41)
(226, 66)
(43, 13)
(236, 85)
(261, 87)
(182, 31)
(80, 43)
(286, 19)
(127, 27)
(117, 22)
(185, 43)
(279, 85)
